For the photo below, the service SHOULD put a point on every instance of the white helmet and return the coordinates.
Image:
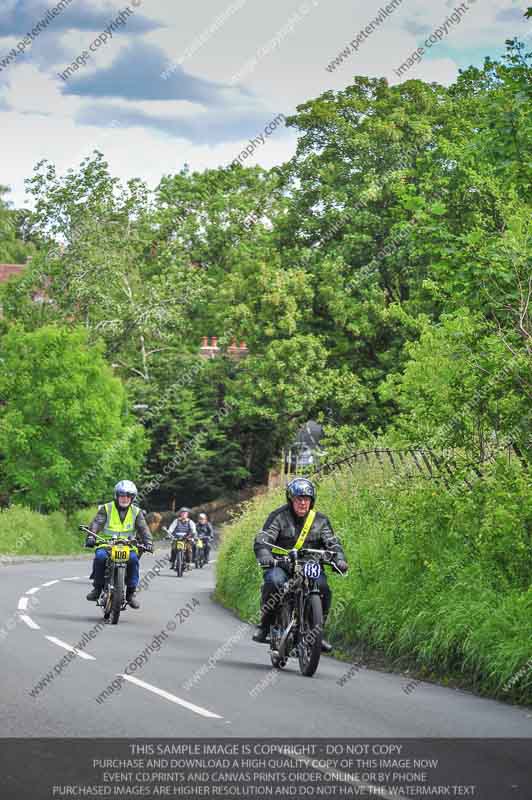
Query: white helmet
(126, 487)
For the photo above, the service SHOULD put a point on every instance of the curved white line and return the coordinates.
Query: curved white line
(32, 591)
(171, 697)
(69, 647)
(29, 622)
(50, 583)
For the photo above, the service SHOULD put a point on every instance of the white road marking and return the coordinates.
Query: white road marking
(22, 604)
(29, 622)
(172, 697)
(32, 591)
(69, 647)
(77, 578)
(50, 583)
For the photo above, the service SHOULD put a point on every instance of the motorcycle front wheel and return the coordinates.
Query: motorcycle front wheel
(117, 595)
(179, 563)
(310, 635)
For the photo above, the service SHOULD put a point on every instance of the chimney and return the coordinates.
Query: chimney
(205, 341)
(214, 342)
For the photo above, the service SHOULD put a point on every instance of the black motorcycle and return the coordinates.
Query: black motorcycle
(297, 627)
(200, 554)
(112, 599)
(178, 553)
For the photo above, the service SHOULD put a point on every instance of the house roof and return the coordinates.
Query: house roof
(8, 270)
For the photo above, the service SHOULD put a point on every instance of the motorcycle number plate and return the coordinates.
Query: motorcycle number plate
(199, 544)
(312, 569)
(180, 545)
(120, 553)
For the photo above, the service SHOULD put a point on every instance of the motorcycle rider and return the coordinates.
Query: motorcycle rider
(283, 528)
(183, 528)
(205, 532)
(119, 516)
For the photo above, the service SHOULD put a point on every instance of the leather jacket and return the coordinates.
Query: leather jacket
(283, 528)
(205, 531)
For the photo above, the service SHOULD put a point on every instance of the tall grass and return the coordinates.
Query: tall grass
(25, 532)
(440, 576)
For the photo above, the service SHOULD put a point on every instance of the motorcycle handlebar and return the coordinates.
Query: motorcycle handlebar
(101, 540)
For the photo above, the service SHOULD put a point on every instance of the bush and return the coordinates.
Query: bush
(440, 576)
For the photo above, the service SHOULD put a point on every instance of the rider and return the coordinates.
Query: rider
(183, 528)
(119, 516)
(205, 532)
(283, 528)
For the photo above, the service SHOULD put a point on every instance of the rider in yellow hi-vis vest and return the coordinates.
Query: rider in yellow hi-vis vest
(119, 516)
(293, 526)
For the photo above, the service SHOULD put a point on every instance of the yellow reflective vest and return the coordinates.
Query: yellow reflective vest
(113, 523)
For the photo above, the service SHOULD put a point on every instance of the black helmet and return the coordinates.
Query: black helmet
(301, 487)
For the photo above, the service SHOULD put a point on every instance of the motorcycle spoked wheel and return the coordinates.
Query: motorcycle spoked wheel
(118, 595)
(107, 603)
(310, 636)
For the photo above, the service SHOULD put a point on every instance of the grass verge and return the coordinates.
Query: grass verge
(440, 577)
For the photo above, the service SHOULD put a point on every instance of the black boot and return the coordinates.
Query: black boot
(94, 593)
(130, 597)
(262, 634)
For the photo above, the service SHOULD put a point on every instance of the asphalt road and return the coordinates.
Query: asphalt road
(195, 674)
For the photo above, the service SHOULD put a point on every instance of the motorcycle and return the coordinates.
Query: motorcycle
(178, 553)
(112, 599)
(200, 554)
(297, 627)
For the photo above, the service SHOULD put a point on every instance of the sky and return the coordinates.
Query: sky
(156, 84)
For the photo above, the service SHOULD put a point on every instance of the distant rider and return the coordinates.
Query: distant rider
(183, 528)
(205, 532)
(283, 528)
(119, 516)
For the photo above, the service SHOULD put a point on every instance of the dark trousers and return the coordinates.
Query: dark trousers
(274, 578)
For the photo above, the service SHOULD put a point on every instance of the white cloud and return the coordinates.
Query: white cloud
(43, 124)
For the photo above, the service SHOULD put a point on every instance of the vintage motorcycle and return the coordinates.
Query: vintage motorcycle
(200, 554)
(297, 627)
(178, 553)
(112, 600)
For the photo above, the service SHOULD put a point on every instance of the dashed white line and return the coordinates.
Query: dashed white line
(50, 583)
(29, 622)
(171, 697)
(32, 591)
(69, 647)
(22, 604)
(77, 578)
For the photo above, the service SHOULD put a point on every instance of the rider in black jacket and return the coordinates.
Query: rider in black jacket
(282, 528)
(205, 532)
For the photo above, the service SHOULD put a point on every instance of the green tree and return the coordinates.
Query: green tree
(64, 433)
(13, 250)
